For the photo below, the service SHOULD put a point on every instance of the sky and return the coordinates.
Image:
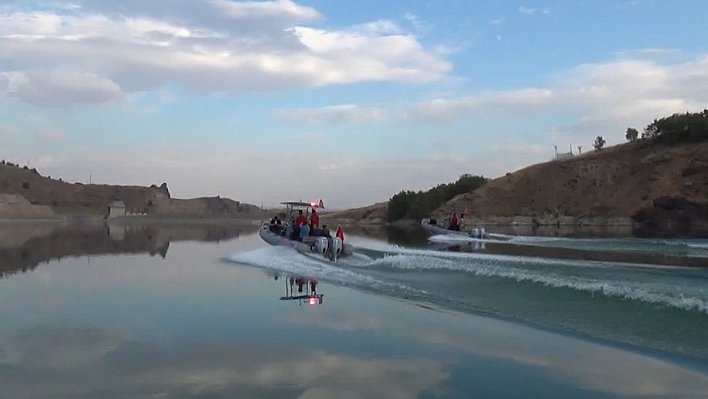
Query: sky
(345, 101)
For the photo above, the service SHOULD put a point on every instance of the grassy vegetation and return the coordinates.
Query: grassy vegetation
(412, 205)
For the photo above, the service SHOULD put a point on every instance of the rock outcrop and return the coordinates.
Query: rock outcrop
(49, 197)
(14, 206)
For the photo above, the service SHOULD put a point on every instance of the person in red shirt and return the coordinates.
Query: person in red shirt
(300, 219)
(340, 233)
(314, 220)
(454, 222)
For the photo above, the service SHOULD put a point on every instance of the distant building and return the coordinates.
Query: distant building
(116, 209)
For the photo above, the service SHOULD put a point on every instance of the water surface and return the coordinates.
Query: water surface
(202, 312)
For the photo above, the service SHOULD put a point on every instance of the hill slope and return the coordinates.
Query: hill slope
(49, 197)
(634, 183)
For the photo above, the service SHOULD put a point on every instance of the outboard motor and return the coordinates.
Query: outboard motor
(321, 245)
(482, 233)
(474, 233)
(335, 249)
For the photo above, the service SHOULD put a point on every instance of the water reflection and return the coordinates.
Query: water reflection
(61, 361)
(23, 246)
(306, 288)
(199, 328)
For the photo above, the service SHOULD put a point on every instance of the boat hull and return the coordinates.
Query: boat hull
(467, 233)
(435, 229)
(305, 246)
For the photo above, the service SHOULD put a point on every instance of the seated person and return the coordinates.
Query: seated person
(276, 225)
(304, 231)
(323, 232)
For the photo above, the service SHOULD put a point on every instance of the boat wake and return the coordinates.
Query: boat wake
(286, 260)
(385, 267)
(679, 247)
(628, 303)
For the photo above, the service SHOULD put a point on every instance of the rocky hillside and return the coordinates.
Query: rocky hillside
(24, 193)
(636, 183)
(372, 214)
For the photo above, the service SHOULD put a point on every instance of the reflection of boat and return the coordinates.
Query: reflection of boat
(306, 291)
(321, 243)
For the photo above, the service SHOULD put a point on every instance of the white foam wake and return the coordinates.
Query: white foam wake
(286, 260)
(639, 291)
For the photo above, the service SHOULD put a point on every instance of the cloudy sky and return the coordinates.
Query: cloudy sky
(350, 102)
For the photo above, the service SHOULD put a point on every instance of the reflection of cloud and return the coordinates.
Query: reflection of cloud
(56, 347)
(591, 366)
(93, 362)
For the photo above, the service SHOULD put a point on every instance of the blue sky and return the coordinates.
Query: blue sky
(351, 102)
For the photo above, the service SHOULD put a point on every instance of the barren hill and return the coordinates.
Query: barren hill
(642, 185)
(372, 214)
(633, 183)
(24, 193)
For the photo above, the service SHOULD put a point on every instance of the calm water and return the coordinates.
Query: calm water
(207, 312)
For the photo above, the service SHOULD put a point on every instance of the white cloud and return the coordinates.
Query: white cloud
(417, 22)
(498, 21)
(339, 114)
(607, 97)
(531, 11)
(61, 88)
(437, 110)
(210, 46)
(342, 182)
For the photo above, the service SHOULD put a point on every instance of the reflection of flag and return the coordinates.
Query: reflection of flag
(321, 204)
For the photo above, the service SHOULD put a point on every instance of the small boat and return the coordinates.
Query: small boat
(319, 243)
(432, 226)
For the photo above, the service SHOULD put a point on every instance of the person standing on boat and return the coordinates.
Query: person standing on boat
(340, 233)
(304, 230)
(314, 220)
(454, 222)
(301, 218)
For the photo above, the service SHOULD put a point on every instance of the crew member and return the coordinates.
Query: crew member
(340, 233)
(304, 230)
(454, 223)
(315, 219)
(301, 218)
